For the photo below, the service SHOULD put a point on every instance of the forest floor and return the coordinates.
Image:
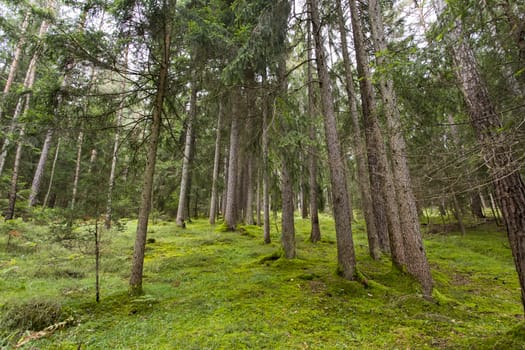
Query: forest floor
(227, 290)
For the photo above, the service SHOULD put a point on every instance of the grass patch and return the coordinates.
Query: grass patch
(207, 288)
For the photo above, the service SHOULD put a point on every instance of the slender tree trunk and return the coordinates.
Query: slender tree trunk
(248, 215)
(116, 145)
(341, 203)
(52, 175)
(39, 172)
(304, 192)
(315, 231)
(504, 170)
(16, 60)
(416, 259)
(230, 214)
(363, 180)
(258, 197)
(135, 282)
(225, 180)
(23, 100)
(182, 215)
(287, 225)
(13, 191)
(382, 193)
(216, 161)
(458, 215)
(265, 166)
(80, 140)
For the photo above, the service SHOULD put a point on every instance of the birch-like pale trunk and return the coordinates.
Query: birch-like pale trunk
(216, 161)
(15, 62)
(39, 171)
(182, 210)
(23, 100)
(416, 259)
(13, 191)
(52, 175)
(80, 141)
(341, 204)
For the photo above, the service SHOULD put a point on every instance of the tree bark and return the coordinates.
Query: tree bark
(230, 214)
(363, 180)
(116, 145)
(287, 225)
(13, 191)
(383, 198)
(265, 161)
(182, 213)
(16, 60)
(315, 231)
(52, 175)
(39, 172)
(23, 101)
(497, 154)
(216, 161)
(248, 207)
(416, 259)
(80, 140)
(341, 203)
(135, 282)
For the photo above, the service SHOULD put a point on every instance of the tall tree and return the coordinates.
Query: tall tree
(416, 260)
(315, 231)
(187, 157)
(492, 139)
(385, 206)
(341, 203)
(216, 160)
(363, 180)
(167, 8)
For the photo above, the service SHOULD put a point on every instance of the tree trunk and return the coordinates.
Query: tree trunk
(16, 60)
(476, 204)
(248, 214)
(504, 170)
(135, 282)
(116, 145)
(416, 259)
(39, 172)
(216, 161)
(230, 214)
(10, 213)
(182, 213)
(23, 100)
(52, 175)
(383, 198)
(265, 166)
(341, 204)
(458, 215)
(80, 140)
(363, 180)
(287, 225)
(315, 231)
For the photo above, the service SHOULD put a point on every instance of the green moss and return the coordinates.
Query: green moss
(210, 289)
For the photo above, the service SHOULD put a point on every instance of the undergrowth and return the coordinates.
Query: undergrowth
(211, 289)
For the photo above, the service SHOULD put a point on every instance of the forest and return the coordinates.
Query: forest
(262, 174)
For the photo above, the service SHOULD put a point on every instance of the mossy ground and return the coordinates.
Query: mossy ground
(207, 289)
